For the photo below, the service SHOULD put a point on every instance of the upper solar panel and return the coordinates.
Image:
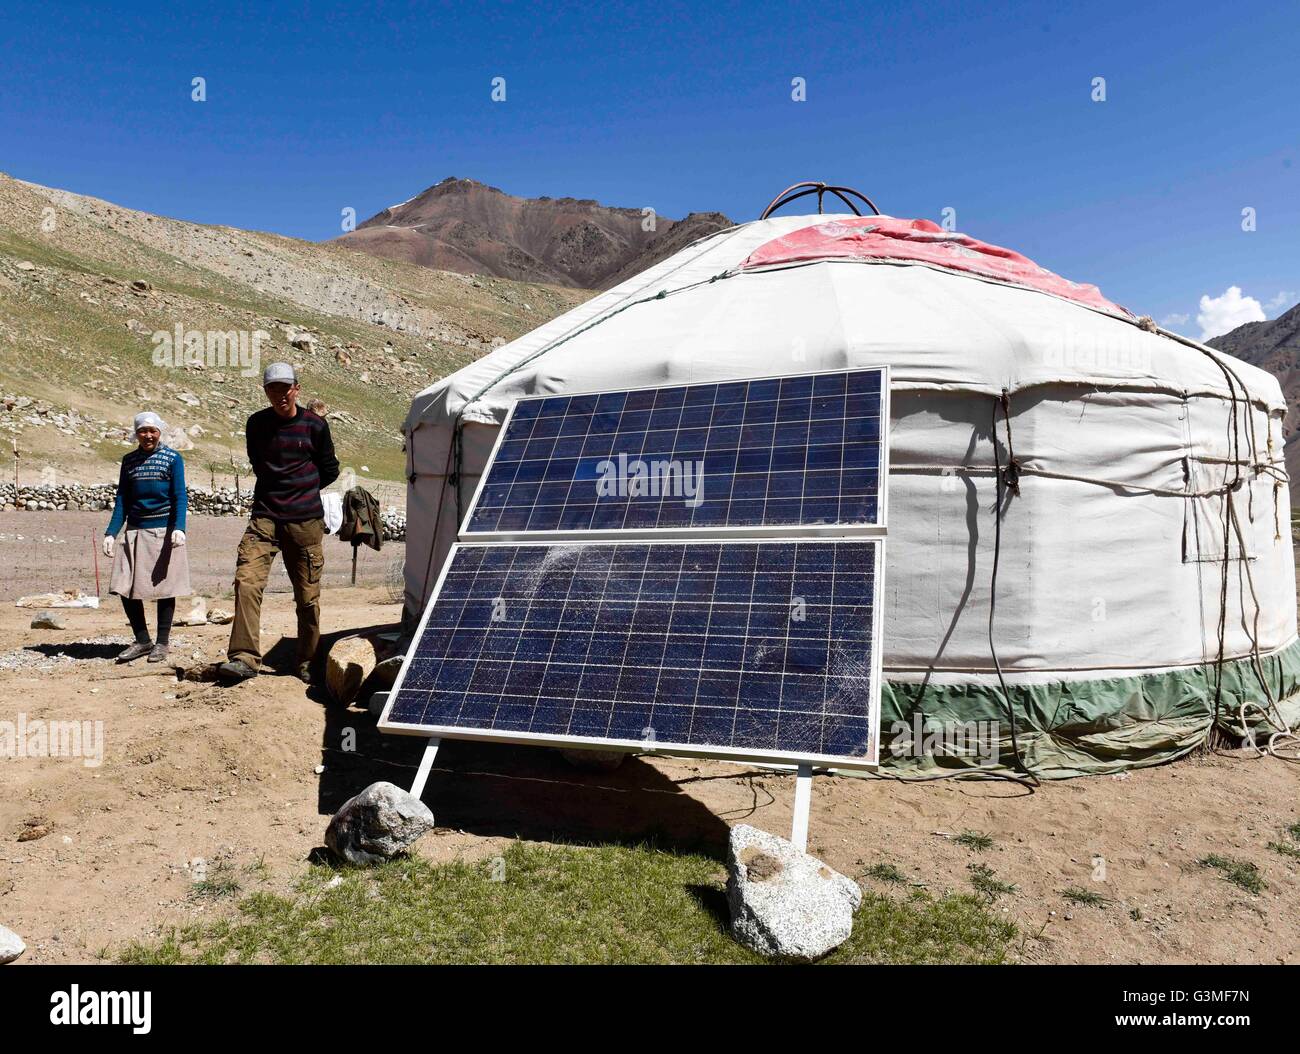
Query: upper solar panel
(785, 452)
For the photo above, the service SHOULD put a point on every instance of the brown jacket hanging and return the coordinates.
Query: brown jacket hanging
(362, 523)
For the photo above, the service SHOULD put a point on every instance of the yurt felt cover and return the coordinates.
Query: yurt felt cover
(1112, 553)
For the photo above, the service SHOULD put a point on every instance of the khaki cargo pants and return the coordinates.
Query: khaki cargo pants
(304, 560)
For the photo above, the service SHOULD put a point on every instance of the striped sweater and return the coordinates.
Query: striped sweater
(292, 459)
(150, 491)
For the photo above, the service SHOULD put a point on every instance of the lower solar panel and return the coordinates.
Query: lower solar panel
(763, 650)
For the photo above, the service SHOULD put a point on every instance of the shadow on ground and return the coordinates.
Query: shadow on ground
(77, 650)
(493, 789)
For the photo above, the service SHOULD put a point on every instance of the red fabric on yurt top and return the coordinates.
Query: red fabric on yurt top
(922, 241)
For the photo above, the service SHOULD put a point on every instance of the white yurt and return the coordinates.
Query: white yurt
(1089, 525)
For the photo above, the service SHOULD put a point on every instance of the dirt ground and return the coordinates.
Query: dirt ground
(193, 775)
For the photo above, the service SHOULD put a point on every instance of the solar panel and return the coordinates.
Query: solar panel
(751, 649)
(780, 452)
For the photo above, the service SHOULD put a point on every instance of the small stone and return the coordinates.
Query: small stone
(11, 945)
(220, 617)
(48, 620)
(381, 822)
(33, 832)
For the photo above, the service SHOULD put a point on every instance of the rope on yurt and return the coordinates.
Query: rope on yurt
(1024, 470)
(1010, 480)
(1234, 454)
(1271, 714)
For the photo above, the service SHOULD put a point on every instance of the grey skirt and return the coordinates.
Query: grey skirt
(147, 566)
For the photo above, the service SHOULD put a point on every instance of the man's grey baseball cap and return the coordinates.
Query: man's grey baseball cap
(278, 373)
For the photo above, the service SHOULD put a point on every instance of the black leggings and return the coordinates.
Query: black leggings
(135, 613)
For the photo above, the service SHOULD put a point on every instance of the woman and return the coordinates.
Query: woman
(151, 563)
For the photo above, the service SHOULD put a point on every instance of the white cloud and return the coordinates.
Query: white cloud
(1283, 299)
(1222, 314)
(1174, 320)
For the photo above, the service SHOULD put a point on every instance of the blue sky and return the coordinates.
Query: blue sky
(986, 109)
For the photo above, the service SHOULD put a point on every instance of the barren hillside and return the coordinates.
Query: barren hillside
(462, 225)
(86, 287)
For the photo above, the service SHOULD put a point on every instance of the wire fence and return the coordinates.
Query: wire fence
(53, 552)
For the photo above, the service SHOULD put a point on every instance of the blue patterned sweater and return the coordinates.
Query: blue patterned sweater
(150, 491)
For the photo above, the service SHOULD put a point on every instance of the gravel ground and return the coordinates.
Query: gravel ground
(45, 552)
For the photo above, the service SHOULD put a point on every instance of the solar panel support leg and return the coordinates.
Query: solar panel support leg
(426, 766)
(802, 803)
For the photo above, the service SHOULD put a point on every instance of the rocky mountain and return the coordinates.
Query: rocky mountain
(106, 311)
(1275, 346)
(462, 225)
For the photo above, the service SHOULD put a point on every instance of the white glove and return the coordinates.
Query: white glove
(107, 547)
(178, 538)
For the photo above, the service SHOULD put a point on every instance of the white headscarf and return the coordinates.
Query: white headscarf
(149, 419)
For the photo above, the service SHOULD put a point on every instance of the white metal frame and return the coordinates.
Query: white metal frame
(802, 806)
(878, 529)
(869, 762)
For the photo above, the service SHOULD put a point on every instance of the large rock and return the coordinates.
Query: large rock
(347, 666)
(11, 946)
(177, 439)
(380, 823)
(48, 620)
(386, 672)
(783, 901)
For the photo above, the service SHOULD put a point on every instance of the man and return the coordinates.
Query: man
(292, 455)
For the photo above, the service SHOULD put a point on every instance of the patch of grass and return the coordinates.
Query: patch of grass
(1241, 873)
(219, 882)
(986, 882)
(1293, 831)
(1286, 849)
(1089, 897)
(977, 840)
(885, 873)
(603, 904)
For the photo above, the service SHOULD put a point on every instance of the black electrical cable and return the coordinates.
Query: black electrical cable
(993, 580)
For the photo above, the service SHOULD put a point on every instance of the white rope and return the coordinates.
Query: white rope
(967, 470)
